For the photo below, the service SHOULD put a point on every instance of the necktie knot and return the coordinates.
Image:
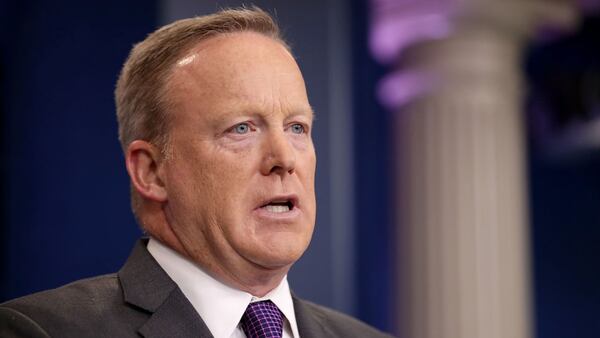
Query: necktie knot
(262, 320)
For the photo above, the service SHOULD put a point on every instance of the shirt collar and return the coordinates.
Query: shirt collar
(282, 297)
(220, 306)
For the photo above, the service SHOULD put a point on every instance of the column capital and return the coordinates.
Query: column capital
(397, 24)
(475, 45)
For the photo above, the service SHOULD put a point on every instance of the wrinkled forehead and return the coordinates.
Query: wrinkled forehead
(234, 43)
(238, 68)
(233, 53)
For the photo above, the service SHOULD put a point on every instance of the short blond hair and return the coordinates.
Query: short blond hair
(140, 91)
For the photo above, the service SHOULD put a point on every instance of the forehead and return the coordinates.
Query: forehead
(238, 69)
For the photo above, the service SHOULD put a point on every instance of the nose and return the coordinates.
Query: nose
(280, 156)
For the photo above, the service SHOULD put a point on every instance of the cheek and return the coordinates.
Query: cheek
(209, 174)
(187, 194)
(230, 180)
(301, 142)
(191, 181)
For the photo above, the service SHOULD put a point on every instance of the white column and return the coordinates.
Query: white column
(463, 245)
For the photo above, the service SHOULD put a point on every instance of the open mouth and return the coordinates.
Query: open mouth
(279, 206)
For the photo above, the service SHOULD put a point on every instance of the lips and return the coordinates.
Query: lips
(279, 204)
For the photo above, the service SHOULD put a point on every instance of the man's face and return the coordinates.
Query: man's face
(240, 179)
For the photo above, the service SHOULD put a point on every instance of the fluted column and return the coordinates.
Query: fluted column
(463, 246)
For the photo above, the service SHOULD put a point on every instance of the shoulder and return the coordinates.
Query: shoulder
(339, 324)
(74, 308)
(92, 294)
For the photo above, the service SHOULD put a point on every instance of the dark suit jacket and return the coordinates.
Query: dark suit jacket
(141, 300)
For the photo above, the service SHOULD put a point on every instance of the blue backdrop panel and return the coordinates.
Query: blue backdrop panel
(374, 184)
(564, 80)
(66, 211)
(565, 198)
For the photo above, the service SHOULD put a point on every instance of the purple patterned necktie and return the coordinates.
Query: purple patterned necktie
(262, 320)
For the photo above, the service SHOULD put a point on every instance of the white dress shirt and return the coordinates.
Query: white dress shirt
(220, 306)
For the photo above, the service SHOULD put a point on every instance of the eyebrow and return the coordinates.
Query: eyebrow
(310, 112)
(224, 114)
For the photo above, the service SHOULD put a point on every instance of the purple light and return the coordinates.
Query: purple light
(396, 24)
(389, 37)
(400, 87)
(590, 5)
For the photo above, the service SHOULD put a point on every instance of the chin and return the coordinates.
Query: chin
(279, 255)
(273, 263)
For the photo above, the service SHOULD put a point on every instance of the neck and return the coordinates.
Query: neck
(251, 278)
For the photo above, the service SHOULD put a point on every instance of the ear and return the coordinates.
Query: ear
(143, 165)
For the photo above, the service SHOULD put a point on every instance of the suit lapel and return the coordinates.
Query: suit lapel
(175, 318)
(147, 286)
(310, 325)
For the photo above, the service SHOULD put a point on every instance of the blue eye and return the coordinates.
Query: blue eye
(297, 128)
(241, 128)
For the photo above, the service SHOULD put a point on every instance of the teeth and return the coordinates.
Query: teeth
(277, 208)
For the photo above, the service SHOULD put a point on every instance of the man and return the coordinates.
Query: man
(215, 124)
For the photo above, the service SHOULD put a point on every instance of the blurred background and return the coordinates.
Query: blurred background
(458, 142)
